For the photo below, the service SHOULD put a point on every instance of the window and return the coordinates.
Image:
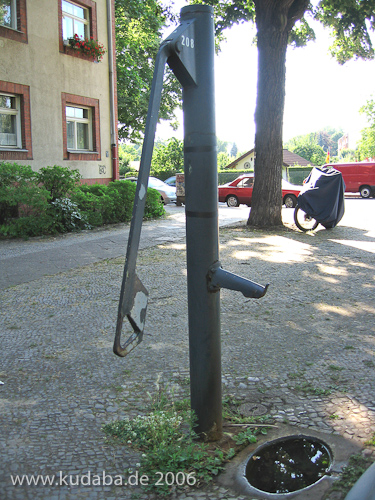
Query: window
(10, 122)
(15, 122)
(13, 22)
(76, 17)
(78, 128)
(8, 13)
(81, 130)
(246, 183)
(75, 20)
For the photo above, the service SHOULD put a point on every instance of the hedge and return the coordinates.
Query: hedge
(51, 201)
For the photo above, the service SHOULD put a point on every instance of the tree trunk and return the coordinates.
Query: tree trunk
(274, 20)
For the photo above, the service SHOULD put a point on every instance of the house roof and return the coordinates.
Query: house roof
(289, 159)
(234, 163)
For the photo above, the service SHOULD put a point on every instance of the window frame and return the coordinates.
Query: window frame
(86, 121)
(94, 154)
(13, 8)
(23, 151)
(13, 112)
(85, 21)
(19, 31)
(90, 6)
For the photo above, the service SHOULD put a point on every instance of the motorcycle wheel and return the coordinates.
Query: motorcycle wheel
(303, 221)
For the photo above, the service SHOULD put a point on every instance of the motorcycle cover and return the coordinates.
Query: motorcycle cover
(322, 196)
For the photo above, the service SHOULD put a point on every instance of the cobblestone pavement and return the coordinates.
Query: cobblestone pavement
(304, 353)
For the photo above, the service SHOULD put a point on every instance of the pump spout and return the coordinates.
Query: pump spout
(219, 278)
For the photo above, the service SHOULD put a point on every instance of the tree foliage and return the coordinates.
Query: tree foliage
(310, 150)
(234, 150)
(366, 145)
(351, 22)
(369, 110)
(168, 159)
(127, 153)
(222, 146)
(315, 145)
(279, 23)
(138, 36)
(223, 159)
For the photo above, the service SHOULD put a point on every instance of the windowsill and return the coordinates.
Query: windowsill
(13, 34)
(82, 152)
(10, 28)
(74, 52)
(82, 155)
(14, 150)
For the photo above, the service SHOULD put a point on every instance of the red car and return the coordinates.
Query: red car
(241, 191)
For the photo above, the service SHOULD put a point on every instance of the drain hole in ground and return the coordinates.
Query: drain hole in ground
(288, 464)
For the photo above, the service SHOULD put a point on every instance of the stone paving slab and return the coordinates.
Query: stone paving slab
(23, 261)
(305, 352)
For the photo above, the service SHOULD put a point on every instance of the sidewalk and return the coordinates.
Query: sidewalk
(24, 261)
(303, 354)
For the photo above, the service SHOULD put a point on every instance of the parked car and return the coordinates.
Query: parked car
(241, 191)
(171, 181)
(167, 193)
(358, 177)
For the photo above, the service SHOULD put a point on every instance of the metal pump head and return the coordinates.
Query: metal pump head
(219, 278)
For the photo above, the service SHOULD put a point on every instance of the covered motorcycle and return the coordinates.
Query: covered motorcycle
(322, 197)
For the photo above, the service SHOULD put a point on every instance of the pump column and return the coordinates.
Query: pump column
(201, 204)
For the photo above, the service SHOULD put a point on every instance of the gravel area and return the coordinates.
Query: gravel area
(303, 354)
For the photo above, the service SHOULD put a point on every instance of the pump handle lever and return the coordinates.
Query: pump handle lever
(133, 295)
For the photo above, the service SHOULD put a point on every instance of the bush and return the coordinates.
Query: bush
(25, 227)
(59, 181)
(89, 204)
(225, 176)
(114, 203)
(50, 201)
(20, 195)
(122, 194)
(154, 207)
(67, 216)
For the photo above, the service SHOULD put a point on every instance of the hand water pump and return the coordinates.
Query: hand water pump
(189, 52)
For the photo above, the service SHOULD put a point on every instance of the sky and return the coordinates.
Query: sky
(319, 92)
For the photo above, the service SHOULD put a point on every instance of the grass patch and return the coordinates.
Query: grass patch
(171, 455)
(336, 368)
(307, 387)
(368, 363)
(352, 472)
(371, 442)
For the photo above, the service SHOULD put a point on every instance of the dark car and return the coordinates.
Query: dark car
(241, 191)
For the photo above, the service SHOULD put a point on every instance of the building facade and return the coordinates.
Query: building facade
(247, 161)
(58, 102)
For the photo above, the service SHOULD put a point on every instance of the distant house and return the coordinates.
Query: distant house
(246, 161)
(58, 106)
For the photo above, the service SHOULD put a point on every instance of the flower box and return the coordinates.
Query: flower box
(87, 46)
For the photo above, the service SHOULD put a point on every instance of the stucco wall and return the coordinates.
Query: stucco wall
(248, 159)
(48, 72)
